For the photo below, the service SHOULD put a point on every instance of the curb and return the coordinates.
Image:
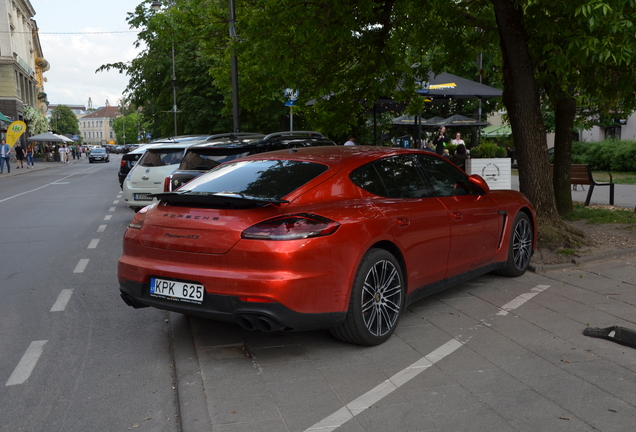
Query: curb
(191, 399)
(576, 262)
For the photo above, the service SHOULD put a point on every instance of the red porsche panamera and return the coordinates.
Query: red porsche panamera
(326, 237)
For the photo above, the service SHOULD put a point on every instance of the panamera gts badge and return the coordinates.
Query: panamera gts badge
(187, 236)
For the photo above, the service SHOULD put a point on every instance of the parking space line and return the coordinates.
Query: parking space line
(365, 401)
(101, 228)
(81, 265)
(356, 407)
(108, 217)
(93, 244)
(25, 367)
(518, 301)
(62, 300)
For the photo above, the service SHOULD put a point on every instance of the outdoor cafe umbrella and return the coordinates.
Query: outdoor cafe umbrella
(49, 137)
(460, 120)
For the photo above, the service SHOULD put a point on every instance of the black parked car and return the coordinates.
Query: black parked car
(201, 158)
(98, 154)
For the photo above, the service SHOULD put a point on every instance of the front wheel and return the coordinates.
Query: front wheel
(376, 303)
(520, 248)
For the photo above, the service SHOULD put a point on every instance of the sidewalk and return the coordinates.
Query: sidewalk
(38, 166)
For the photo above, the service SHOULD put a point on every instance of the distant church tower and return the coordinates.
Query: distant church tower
(90, 104)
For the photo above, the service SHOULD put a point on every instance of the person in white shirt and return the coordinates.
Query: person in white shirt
(458, 140)
(350, 141)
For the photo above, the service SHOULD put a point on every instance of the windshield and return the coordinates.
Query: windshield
(271, 179)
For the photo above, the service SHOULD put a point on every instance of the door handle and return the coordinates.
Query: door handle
(457, 215)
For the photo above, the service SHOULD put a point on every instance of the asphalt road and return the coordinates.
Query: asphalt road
(73, 356)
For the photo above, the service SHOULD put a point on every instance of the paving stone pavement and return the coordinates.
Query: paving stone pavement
(491, 354)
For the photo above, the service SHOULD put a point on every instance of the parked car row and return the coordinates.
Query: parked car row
(154, 171)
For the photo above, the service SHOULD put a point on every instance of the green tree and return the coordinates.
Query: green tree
(63, 121)
(127, 129)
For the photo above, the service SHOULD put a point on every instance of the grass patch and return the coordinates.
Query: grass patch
(567, 252)
(601, 215)
(618, 178)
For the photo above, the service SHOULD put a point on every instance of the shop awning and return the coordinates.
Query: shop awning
(5, 119)
(494, 131)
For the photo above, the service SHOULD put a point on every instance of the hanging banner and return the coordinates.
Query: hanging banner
(14, 131)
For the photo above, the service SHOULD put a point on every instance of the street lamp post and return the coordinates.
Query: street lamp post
(156, 6)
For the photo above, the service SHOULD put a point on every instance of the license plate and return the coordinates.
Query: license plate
(142, 197)
(177, 291)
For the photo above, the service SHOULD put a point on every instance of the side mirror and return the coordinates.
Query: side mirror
(479, 184)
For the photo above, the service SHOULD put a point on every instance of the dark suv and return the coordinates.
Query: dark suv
(201, 158)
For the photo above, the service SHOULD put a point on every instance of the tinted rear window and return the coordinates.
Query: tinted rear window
(163, 157)
(257, 178)
(206, 159)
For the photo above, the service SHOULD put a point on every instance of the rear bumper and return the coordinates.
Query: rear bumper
(251, 316)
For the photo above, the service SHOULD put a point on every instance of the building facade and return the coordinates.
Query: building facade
(97, 127)
(22, 63)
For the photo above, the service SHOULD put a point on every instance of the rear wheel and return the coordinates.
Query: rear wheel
(520, 249)
(376, 303)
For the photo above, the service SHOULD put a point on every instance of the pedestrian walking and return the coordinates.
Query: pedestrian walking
(5, 157)
(63, 153)
(29, 156)
(19, 155)
(440, 141)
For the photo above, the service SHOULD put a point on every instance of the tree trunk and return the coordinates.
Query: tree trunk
(564, 118)
(521, 97)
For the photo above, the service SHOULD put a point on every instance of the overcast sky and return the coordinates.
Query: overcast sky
(74, 53)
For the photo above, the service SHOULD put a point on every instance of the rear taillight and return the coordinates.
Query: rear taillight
(291, 227)
(123, 163)
(138, 220)
(166, 184)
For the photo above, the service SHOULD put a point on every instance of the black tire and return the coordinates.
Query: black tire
(520, 249)
(376, 303)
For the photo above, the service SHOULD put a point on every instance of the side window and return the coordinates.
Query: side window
(393, 177)
(445, 179)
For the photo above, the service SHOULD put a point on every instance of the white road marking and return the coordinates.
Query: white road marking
(515, 303)
(42, 187)
(112, 209)
(116, 202)
(108, 217)
(25, 367)
(356, 407)
(81, 265)
(93, 244)
(101, 228)
(62, 300)
(365, 401)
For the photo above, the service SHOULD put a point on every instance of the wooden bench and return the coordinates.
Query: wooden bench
(581, 174)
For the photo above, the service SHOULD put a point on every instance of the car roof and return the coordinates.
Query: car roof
(334, 155)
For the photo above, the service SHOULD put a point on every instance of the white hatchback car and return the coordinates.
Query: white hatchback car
(148, 175)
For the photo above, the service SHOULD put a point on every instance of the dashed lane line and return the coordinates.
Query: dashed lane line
(62, 300)
(25, 367)
(101, 228)
(93, 244)
(108, 217)
(81, 265)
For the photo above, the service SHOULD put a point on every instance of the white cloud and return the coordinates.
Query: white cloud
(74, 57)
